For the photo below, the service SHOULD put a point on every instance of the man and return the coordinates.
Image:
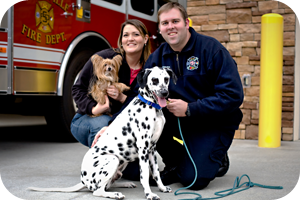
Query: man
(206, 100)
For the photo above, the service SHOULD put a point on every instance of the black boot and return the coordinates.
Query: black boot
(168, 176)
(224, 167)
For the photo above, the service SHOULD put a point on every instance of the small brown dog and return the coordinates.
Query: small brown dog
(106, 72)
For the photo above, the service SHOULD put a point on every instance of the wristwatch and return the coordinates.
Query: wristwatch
(187, 112)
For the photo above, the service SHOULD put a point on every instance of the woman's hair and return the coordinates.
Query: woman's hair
(143, 31)
(170, 5)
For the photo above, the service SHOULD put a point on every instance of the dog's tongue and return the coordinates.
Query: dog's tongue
(162, 102)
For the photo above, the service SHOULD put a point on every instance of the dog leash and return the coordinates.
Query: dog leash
(237, 187)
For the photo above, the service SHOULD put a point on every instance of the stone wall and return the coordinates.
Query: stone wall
(237, 25)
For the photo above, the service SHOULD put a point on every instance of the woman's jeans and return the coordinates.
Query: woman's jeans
(84, 128)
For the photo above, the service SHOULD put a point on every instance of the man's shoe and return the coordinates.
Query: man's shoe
(168, 176)
(224, 167)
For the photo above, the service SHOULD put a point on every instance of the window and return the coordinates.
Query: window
(117, 2)
(146, 7)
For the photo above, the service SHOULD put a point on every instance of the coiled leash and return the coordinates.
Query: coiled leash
(236, 186)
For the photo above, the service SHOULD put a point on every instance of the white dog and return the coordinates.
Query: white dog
(133, 134)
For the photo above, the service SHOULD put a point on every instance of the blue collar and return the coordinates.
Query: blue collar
(149, 102)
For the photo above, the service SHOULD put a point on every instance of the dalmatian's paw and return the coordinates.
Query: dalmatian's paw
(166, 189)
(118, 195)
(129, 185)
(124, 185)
(152, 196)
(112, 195)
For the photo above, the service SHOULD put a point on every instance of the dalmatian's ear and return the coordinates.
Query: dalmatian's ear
(172, 75)
(142, 77)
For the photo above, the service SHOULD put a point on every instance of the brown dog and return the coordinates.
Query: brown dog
(106, 72)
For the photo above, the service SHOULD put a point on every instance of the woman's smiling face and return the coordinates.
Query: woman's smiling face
(132, 40)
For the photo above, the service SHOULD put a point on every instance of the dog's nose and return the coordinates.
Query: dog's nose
(164, 92)
(109, 69)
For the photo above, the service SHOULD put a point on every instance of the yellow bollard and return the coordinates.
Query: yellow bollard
(270, 101)
(190, 22)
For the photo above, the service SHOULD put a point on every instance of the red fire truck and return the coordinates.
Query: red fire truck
(45, 43)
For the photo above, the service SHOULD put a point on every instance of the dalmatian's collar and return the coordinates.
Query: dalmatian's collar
(149, 102)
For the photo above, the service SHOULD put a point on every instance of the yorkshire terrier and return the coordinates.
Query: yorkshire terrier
(106, 74)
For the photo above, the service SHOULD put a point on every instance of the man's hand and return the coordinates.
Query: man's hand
(98, 135)
(178, 107)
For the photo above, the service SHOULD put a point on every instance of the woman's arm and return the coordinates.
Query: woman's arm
(80, 89)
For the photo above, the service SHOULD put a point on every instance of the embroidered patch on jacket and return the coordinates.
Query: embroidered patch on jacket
(192, 63)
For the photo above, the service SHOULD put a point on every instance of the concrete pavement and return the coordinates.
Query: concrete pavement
(51, 164)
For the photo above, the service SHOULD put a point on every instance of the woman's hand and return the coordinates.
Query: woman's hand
(99, 108)
(99, 135)
(114, 93)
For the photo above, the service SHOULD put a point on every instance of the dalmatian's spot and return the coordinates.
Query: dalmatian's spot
(129, 142)
(96, 163)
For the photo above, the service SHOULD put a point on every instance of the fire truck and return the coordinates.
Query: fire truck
(45, 43)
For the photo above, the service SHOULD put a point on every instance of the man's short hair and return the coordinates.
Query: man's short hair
(168, 6)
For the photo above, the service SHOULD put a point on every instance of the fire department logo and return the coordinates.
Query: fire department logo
(44, 17)
(192, 63)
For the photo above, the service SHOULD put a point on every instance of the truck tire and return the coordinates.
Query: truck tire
(61, 112)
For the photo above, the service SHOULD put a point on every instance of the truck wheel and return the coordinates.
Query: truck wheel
(62, 111)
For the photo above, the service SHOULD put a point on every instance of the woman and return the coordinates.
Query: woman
(135, 48)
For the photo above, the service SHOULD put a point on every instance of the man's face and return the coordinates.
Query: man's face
(174, 29)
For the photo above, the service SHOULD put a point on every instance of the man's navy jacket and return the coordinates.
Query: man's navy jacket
(208, 80)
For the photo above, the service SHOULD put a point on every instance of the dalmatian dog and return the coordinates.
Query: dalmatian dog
(133, 134)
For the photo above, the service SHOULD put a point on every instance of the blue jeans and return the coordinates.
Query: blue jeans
(84, 128)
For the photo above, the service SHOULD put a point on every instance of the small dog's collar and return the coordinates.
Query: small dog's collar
(155, 105)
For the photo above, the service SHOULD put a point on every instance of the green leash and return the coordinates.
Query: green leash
(236, 186)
